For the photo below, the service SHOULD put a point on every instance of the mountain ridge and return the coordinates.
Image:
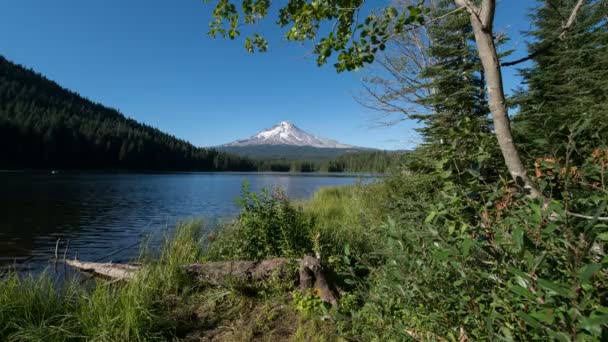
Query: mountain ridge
(286, 133)
(285, 141)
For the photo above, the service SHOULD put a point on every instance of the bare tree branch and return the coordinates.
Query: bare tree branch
(564, 30)
(571, 19)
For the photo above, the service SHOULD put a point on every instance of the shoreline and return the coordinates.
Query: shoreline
(154, 172)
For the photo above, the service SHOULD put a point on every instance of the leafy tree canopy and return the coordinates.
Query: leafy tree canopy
(355, 41)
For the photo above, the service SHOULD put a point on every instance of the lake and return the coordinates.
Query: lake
(101, 213)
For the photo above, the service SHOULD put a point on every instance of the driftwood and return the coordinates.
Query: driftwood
(107, 269)
(311, 273)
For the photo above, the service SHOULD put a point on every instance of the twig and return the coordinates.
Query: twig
(587, 217)
(118, 251)
(65, 253)
(57, 249)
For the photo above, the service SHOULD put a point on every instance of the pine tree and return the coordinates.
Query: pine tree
(457, 133)
(567, 84)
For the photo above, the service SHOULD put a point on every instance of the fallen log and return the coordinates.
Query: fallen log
(218, 272)
(311, 273)
(106, 269)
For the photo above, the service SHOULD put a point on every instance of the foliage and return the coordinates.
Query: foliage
(371, 161)
(458, 144)
(521, 273)
(308, 304)
(310, 159)
(567, 82)
(445, 250)
(356, 43)
(268, 226)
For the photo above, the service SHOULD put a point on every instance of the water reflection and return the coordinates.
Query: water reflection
(99, 213)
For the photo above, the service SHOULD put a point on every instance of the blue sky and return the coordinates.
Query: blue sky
(152, 60)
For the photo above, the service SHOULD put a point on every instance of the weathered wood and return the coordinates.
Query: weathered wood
(217, 272)
(312, 276)
(108, 269)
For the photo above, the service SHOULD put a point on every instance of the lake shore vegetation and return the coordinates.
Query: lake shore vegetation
(468, 240)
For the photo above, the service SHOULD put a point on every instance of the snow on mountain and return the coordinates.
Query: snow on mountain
(286, 133)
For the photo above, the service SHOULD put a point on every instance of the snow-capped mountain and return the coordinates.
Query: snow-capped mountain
(286, 133)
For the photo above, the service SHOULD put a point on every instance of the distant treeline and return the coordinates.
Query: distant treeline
(364, 161)
(45, 126)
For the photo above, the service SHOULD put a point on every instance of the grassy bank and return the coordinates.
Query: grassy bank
(410, 261)
(162, 304)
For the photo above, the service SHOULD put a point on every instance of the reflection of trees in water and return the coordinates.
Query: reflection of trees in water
(36, 206)
(106, 212)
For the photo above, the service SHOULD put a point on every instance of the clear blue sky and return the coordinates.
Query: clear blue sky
(152, 60)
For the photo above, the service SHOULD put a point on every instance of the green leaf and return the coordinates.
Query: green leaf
(467, 243)
(545, 316)
(593, 324)
(559, 336)
(518, 237)
(537, 210)
(531, 321)
(603, 236)
(474, 173)
(441, 255)
(522, 292)
(430, 217)
(349, 281)
(588, 271)
(552, 287)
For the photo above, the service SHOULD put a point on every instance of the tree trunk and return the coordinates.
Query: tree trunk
(482, 22)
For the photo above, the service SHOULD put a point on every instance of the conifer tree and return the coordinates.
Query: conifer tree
(457, 130)
(567, 85)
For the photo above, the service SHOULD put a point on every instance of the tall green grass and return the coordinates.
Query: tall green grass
(37, 309)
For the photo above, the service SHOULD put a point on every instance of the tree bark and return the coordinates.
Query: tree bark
(218, 272)
(312, 276)
(482, 20)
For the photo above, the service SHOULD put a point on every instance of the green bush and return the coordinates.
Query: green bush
(268, 226)
(495, 266)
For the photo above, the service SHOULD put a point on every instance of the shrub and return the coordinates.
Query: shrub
(268, 226)
(496, 266)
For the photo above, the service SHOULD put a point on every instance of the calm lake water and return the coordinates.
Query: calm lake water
(101, 213)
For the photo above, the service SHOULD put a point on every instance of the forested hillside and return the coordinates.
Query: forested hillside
(286, 152)
(43, 125)
(362, 161)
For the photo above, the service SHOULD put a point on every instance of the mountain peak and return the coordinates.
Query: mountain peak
(286, 133)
